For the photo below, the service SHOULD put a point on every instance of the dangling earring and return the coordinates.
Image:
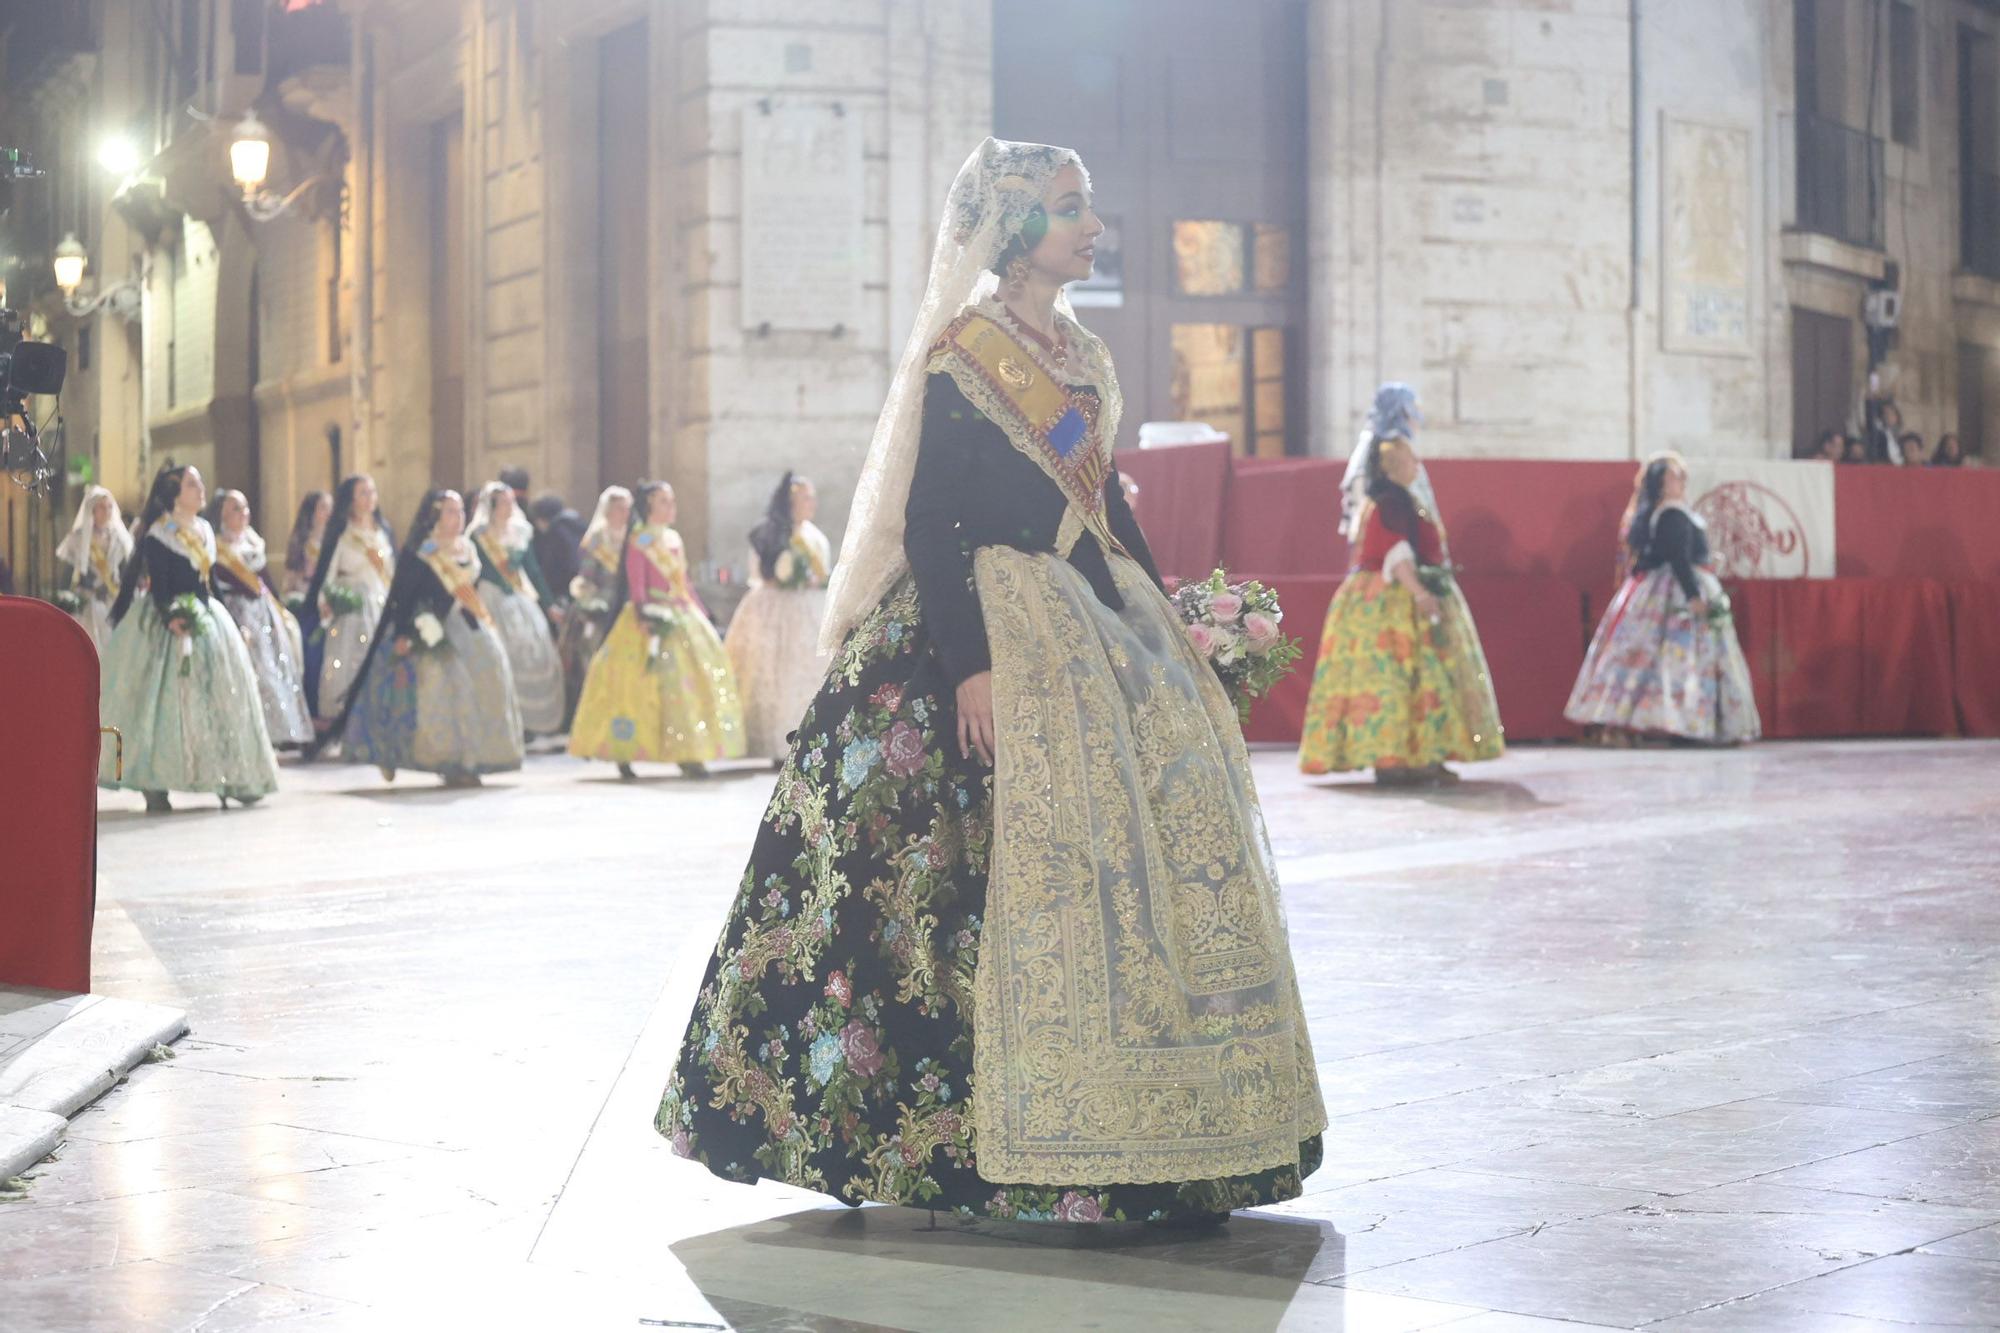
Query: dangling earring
(1017, 276)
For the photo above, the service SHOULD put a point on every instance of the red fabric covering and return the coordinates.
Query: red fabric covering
(1930, 523)
(1517, 517)
(1284, 515)
(1975, 641)
(1849, 657)
(48, 796)
(1532, 630)
(1182, 491)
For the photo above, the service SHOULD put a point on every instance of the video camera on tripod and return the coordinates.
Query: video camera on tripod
(26, 367)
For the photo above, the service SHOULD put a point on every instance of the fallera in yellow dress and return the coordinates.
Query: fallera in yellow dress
(660, 689)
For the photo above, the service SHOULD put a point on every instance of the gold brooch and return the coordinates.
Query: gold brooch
(1017, 375)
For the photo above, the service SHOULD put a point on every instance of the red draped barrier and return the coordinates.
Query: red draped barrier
(1849, 657)
(48, 796)
(1931, 523)
(1182, 489)
(1975, 641)
(1906, 642)
(1284, 516)
(1532, 630)
(1517, 517)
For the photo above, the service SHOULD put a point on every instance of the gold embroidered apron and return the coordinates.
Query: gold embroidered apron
(1136, 1015)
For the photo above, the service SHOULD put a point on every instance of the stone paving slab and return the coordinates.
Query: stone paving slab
(59, 1053)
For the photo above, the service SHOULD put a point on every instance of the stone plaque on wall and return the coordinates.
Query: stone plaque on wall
(802, 209)
(1705, 238)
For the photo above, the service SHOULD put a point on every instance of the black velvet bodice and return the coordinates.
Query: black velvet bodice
(973, 488)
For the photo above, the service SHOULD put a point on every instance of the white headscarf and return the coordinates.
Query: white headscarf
(519, 530)
(993, 194)
(600, 520)
(74, 549)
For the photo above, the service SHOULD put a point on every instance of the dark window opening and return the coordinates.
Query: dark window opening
(1905, 72)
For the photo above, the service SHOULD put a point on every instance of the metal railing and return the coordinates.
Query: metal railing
(1979, 223)
(1840, 181)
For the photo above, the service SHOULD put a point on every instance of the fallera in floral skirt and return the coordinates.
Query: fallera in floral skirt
(831, 1045)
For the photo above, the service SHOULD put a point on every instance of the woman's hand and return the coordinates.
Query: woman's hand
(403, 645)
(1698, 608)
(975, 717)
(177, 627)
(1427, 605)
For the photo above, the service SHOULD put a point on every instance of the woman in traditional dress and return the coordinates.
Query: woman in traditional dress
(308, 535)
(774, 636)
(349, 584)
(660, 689)
(301, 558)
(177, 680)
(1401, 685)
(592, 591)
(1017, 831)
(1665, 660)
(277, 651)
(437, 693)
(510, 584)
(96, 549)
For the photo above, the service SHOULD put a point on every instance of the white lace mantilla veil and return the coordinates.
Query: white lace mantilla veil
(992, 195)
(519, 529)
(74, 549)
(600, 518)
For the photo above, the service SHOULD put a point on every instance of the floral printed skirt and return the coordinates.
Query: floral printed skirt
(531, 653)
(831, 1045)
(449, 710)
(1654, 666)
(773, 644)
(198, 730)
(677, 708)
(1392, 691)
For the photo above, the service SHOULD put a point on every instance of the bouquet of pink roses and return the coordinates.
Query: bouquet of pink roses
(1236, 627)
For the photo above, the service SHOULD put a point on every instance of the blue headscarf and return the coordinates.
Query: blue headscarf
(1395, 415)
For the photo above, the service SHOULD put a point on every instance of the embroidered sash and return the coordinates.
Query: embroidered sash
(803, 547)
(1056, 428)
(605, 552)
(107, 575)
(461, 581)
(371, 544)
(662, 547)
(236, 567)
(187, 540)
(503, 561)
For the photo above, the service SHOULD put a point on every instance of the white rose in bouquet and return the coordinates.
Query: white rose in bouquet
(430, 630)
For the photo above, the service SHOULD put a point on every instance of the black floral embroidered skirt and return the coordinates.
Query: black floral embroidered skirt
(831, 1045)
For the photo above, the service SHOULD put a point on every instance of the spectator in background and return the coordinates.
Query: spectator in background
(557, 543)
(1950, 453)
(516, 479)
(1830, 446)
(1853, 450)
(1884, 435)
(1913, 449)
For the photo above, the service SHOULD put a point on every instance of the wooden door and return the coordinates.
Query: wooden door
(1822, 375)
(1191, 118)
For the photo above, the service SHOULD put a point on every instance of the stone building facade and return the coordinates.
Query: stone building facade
(1584, 228)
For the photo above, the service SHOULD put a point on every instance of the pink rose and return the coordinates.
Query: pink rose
(1075, 1207)
(903, 750)
(889, 697)
(1262, 629)
(863, 1051)
(683, 1146)
(838, 988)
(1225, 606)
(1202, 637)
